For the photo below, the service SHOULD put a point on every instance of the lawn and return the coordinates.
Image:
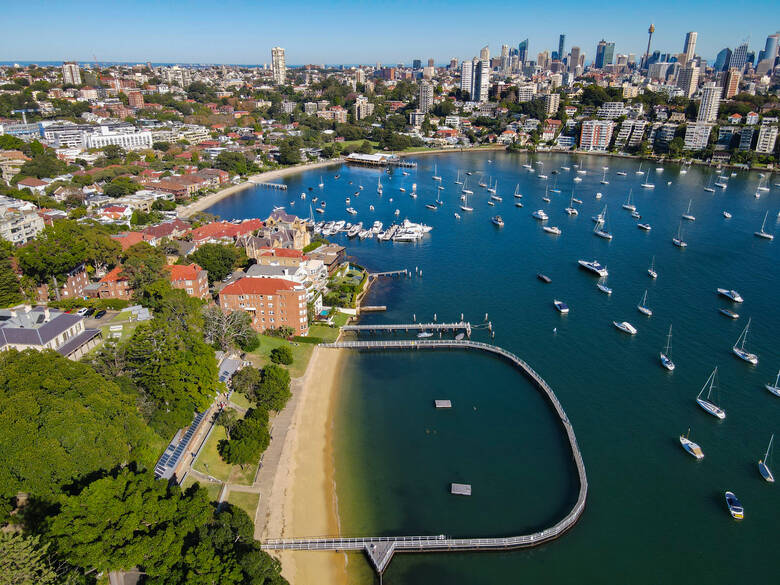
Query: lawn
(246, 501)
(240, 400)
(209, 461)
(212, 488)
(301, 354)
(353, 144)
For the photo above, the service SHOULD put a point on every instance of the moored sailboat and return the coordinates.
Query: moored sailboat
(763, 466)
(706, 403)
(763, 234)
(666, 354)
(690, 446)
(774, 388)
(642, 306)
(739, 347)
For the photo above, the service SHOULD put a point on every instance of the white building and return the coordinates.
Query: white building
(128, 141)
(767, 137)
(552, 102)
(71, 74)
(710, 102)
(426, 97)
(278, 67)
(19, 220)
(596, 134)
(631, 133)
(697, 136)
(526, 92)
(363, 108)
(688, 80)
(611, 110)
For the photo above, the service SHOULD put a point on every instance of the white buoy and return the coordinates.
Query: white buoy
(486, 317)
(555, 330)
(434, 317)
(414, 317)
(461, 317)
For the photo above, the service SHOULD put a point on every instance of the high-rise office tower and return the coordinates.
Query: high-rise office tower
(430, 62)
(710, 101)
(650, 32)
(574, 58)
(770, 49)
(481, 69)
(416, 64)
(561, 45)
(484, 53)
(71, 74)
(604, 53)
(505, 62)
(453, 64)
(731, 83)
(426, 97)
(688, 80)
(360, 76)
(278, 67)
(690, 46)
(522, 52)
(723, 60)
(739, 57)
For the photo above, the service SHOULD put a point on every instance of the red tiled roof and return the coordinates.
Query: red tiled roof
(258, 286)
(32, 182)
(180, 272)
(224, 229)
(280, 252)
(114, 276)
(127, 239)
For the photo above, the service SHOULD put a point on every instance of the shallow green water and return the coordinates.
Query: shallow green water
(654, 514)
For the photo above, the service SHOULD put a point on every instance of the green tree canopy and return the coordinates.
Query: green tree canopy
(24, 561)
(218, 259)
(61, 421)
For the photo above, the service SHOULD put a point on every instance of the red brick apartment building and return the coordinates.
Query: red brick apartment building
(192, 279)
(272, 303)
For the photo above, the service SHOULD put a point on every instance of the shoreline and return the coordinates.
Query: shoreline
(211, 199)
(303, 500)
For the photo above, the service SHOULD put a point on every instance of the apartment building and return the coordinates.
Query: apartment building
(271, 302)
(596, 134)
(192, 279)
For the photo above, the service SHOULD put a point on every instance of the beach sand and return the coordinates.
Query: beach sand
(207, 201)
(303, 499)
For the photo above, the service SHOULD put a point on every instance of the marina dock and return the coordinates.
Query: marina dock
(442, 403)
(380, 550)
(407, 327)
(276, 186)
(460, 489)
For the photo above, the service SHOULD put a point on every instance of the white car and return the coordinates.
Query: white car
(82, 311)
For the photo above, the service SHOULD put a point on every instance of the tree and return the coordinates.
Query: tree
(61, 422)
(233, 162)
(273, 392)
(114, 154)
(249, 438)
(143, 264)
(246, 381)
(227, 419)
(289, 153)
(10, 292)
(226, 329)
(24, 561)
(130, 520)
(282, 355)
(218, 259)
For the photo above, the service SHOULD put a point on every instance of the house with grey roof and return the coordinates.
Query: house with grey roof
(42, 328)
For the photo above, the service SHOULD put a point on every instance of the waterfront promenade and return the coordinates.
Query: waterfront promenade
(380, 550)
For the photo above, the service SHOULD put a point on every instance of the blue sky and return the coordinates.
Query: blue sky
(232, 31)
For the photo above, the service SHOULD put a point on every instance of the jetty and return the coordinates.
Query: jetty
(380, 549)
(379, 160)
(277, 186)
(407, 327)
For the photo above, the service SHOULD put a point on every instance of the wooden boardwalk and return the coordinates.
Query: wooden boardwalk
(389, 328)
(380, 550)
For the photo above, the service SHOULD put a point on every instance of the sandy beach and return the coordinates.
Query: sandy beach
(303, 499)
(207, 201)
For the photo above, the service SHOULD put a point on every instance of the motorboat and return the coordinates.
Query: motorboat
(351, 210)
(430, 206)
(604, 288)
(424, 334)
(729, 313)
(561, 306)
(540, 215)
(497, 220)
(594, 266)
(555, 230)
(735, 506)
(647, 185)
(518, 204)
(635, 215)
(726, 214)
(625, 327)
(543, 277)
(706, 403)
(732, 295)
(644, 226)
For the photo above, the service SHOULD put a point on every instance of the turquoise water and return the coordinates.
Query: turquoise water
(654, 514)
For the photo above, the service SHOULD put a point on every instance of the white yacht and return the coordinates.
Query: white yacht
(435, 176)
(562, 307)
(732, 295)
(739, 347)
(651, 271)
(625, 327)
(629, 204)
(517, 192)
(642, 306)
(762, 233)
(690, 446)
(726, 214)
(552, 230)
(678, 239)
(763, 466)
(774, 388)
(687, 215)
(594, 266)
(644, 226)
(706, 403)
(666, 354)
(540, 215)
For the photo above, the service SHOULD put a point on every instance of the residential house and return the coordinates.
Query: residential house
(190, 278)
(174, 228)
(114, 285)
(33, 184)
(11, 162)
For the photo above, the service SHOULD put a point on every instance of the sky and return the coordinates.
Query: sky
(354, 32)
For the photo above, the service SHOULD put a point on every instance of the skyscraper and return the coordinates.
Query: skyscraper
(467, 78)
(722, 60)
(690, 46)
(710, 101)
(561, 45)
(731, 83)
(522, 51)
(416, 64)
(770, 49)
(484, 53)
(426, 97)
(430, 62)
(481, 80)
(688, 80)
(739, 57)
(71, 74)
(278, 67)
(574, 59)
(604, 53)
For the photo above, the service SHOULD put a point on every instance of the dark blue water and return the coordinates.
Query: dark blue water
(654, 514)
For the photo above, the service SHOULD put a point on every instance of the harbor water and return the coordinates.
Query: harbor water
(654, 514)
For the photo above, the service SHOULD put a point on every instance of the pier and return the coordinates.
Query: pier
(406, 327)
(277, 186)
(390, 273)
(380, 550)
(379, 160)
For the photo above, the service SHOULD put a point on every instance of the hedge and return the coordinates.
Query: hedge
(99, 304)
(309, 339)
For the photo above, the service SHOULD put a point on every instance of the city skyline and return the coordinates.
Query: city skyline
(237, 32)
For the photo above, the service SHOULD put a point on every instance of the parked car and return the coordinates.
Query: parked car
(100, 314)
(82, 311)
(89, 312)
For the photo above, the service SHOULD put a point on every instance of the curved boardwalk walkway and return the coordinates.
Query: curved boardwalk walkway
(381, 549)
